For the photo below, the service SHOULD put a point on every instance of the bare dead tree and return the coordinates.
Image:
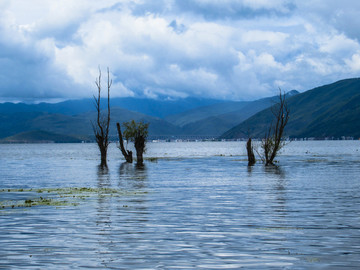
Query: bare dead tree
(102, 125)
(126, 153)
(274, 137)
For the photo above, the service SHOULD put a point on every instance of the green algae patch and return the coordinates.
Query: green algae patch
(74, 191)
(312, 259)
(35, 202)
(278, 229)
(68, 196)
(242, 159)
(151, 159)
(79, 190)
(316, 160)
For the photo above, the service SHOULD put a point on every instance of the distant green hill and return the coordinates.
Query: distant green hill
(328, 111)
(211, 126)
(40, 136)
(61, 118)
(331, 110)
(204, 112)
(78, 126)
(225, 116)
(153, 107)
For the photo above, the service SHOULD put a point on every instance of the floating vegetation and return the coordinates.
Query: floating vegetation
(152, 159)
(71, 190)
(242, 159)
(315, 160)
(312, 259)
(272, 229)
(156, 159)
(35, 202)
(68, 196)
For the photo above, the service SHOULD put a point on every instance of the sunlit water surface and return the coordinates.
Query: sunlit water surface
(197, 206)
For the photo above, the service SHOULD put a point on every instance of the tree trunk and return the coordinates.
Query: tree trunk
(103, 153)
(139, 146)
(250, 153)
(127, 154)
(139, 156)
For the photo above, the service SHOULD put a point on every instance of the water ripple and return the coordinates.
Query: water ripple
(199, 208)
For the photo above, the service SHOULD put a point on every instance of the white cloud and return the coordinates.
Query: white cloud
(271, 38)
(354, 62)
(223, 49)
(265, 4)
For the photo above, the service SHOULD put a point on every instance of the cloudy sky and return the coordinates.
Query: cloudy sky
(225, 49)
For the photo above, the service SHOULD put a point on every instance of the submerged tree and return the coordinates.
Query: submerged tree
(250, 153)
(138, 133)
(126, 153)
(102, 125)
(274, 137)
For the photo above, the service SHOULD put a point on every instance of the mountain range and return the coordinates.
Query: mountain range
(328, 111)
(151, 107)
(331, 110)
(196, 118)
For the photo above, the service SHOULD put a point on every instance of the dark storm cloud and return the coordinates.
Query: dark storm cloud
(27, 74)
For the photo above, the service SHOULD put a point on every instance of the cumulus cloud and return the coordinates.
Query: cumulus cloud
(220, 49)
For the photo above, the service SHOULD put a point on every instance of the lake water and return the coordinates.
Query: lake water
(197, 206)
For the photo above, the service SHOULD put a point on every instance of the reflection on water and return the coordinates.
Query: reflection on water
(104, 214)
(132, 175)
(203, 211)
(250, 170)
(275, 170)
(103, 175)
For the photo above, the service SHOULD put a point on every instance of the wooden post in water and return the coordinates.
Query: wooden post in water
(250, 153)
